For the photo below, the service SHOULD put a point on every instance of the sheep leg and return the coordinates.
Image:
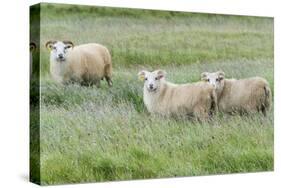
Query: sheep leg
(201, 114)
(263, 110)
(86, 83)
(109, 81)
(267, 101)
(214, 104)
(97, 83)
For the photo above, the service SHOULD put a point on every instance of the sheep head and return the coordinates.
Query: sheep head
(152, 80)
(59, 49)
(215, 78)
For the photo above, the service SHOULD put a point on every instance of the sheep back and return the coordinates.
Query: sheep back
(88, 62)
(249, 95)
(187, 99)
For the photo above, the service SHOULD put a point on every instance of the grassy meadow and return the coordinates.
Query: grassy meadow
(92, 135)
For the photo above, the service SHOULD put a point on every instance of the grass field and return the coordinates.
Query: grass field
(89, 134)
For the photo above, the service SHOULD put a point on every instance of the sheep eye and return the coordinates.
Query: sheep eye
(145, 79)
(54, 48)
(208, 80)
(217, 79)
(156, 78)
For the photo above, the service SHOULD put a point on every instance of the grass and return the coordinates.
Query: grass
(91, 135)
(158, 41)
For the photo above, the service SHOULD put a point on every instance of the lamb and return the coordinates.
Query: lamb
(86, 64)
(168, 99)
(32, 47)
(243, 96)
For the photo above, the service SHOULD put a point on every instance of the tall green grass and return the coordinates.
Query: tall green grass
(90, 134)
(153, 39)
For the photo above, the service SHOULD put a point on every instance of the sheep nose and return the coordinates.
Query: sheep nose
(151, 86)
(60, 55)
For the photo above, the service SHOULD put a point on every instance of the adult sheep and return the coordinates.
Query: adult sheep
(86, 64)
(165, 98)
(243, 96)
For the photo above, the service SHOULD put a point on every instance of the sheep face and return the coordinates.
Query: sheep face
(152, 80)
(59, 49)
(216, 79)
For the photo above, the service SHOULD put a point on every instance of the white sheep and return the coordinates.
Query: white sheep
(32, 47)
(243, 96)
(86, 64)
(165, 98)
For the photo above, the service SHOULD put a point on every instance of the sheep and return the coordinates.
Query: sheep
(168, 99)
(244, 96)
(32, 47)
(86, 64)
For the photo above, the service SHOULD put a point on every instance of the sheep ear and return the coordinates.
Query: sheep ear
(204, 76)
(69, 44)
(32, 46)
(161, 74)
(49, 44)
(141, 75)
(221, 75)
